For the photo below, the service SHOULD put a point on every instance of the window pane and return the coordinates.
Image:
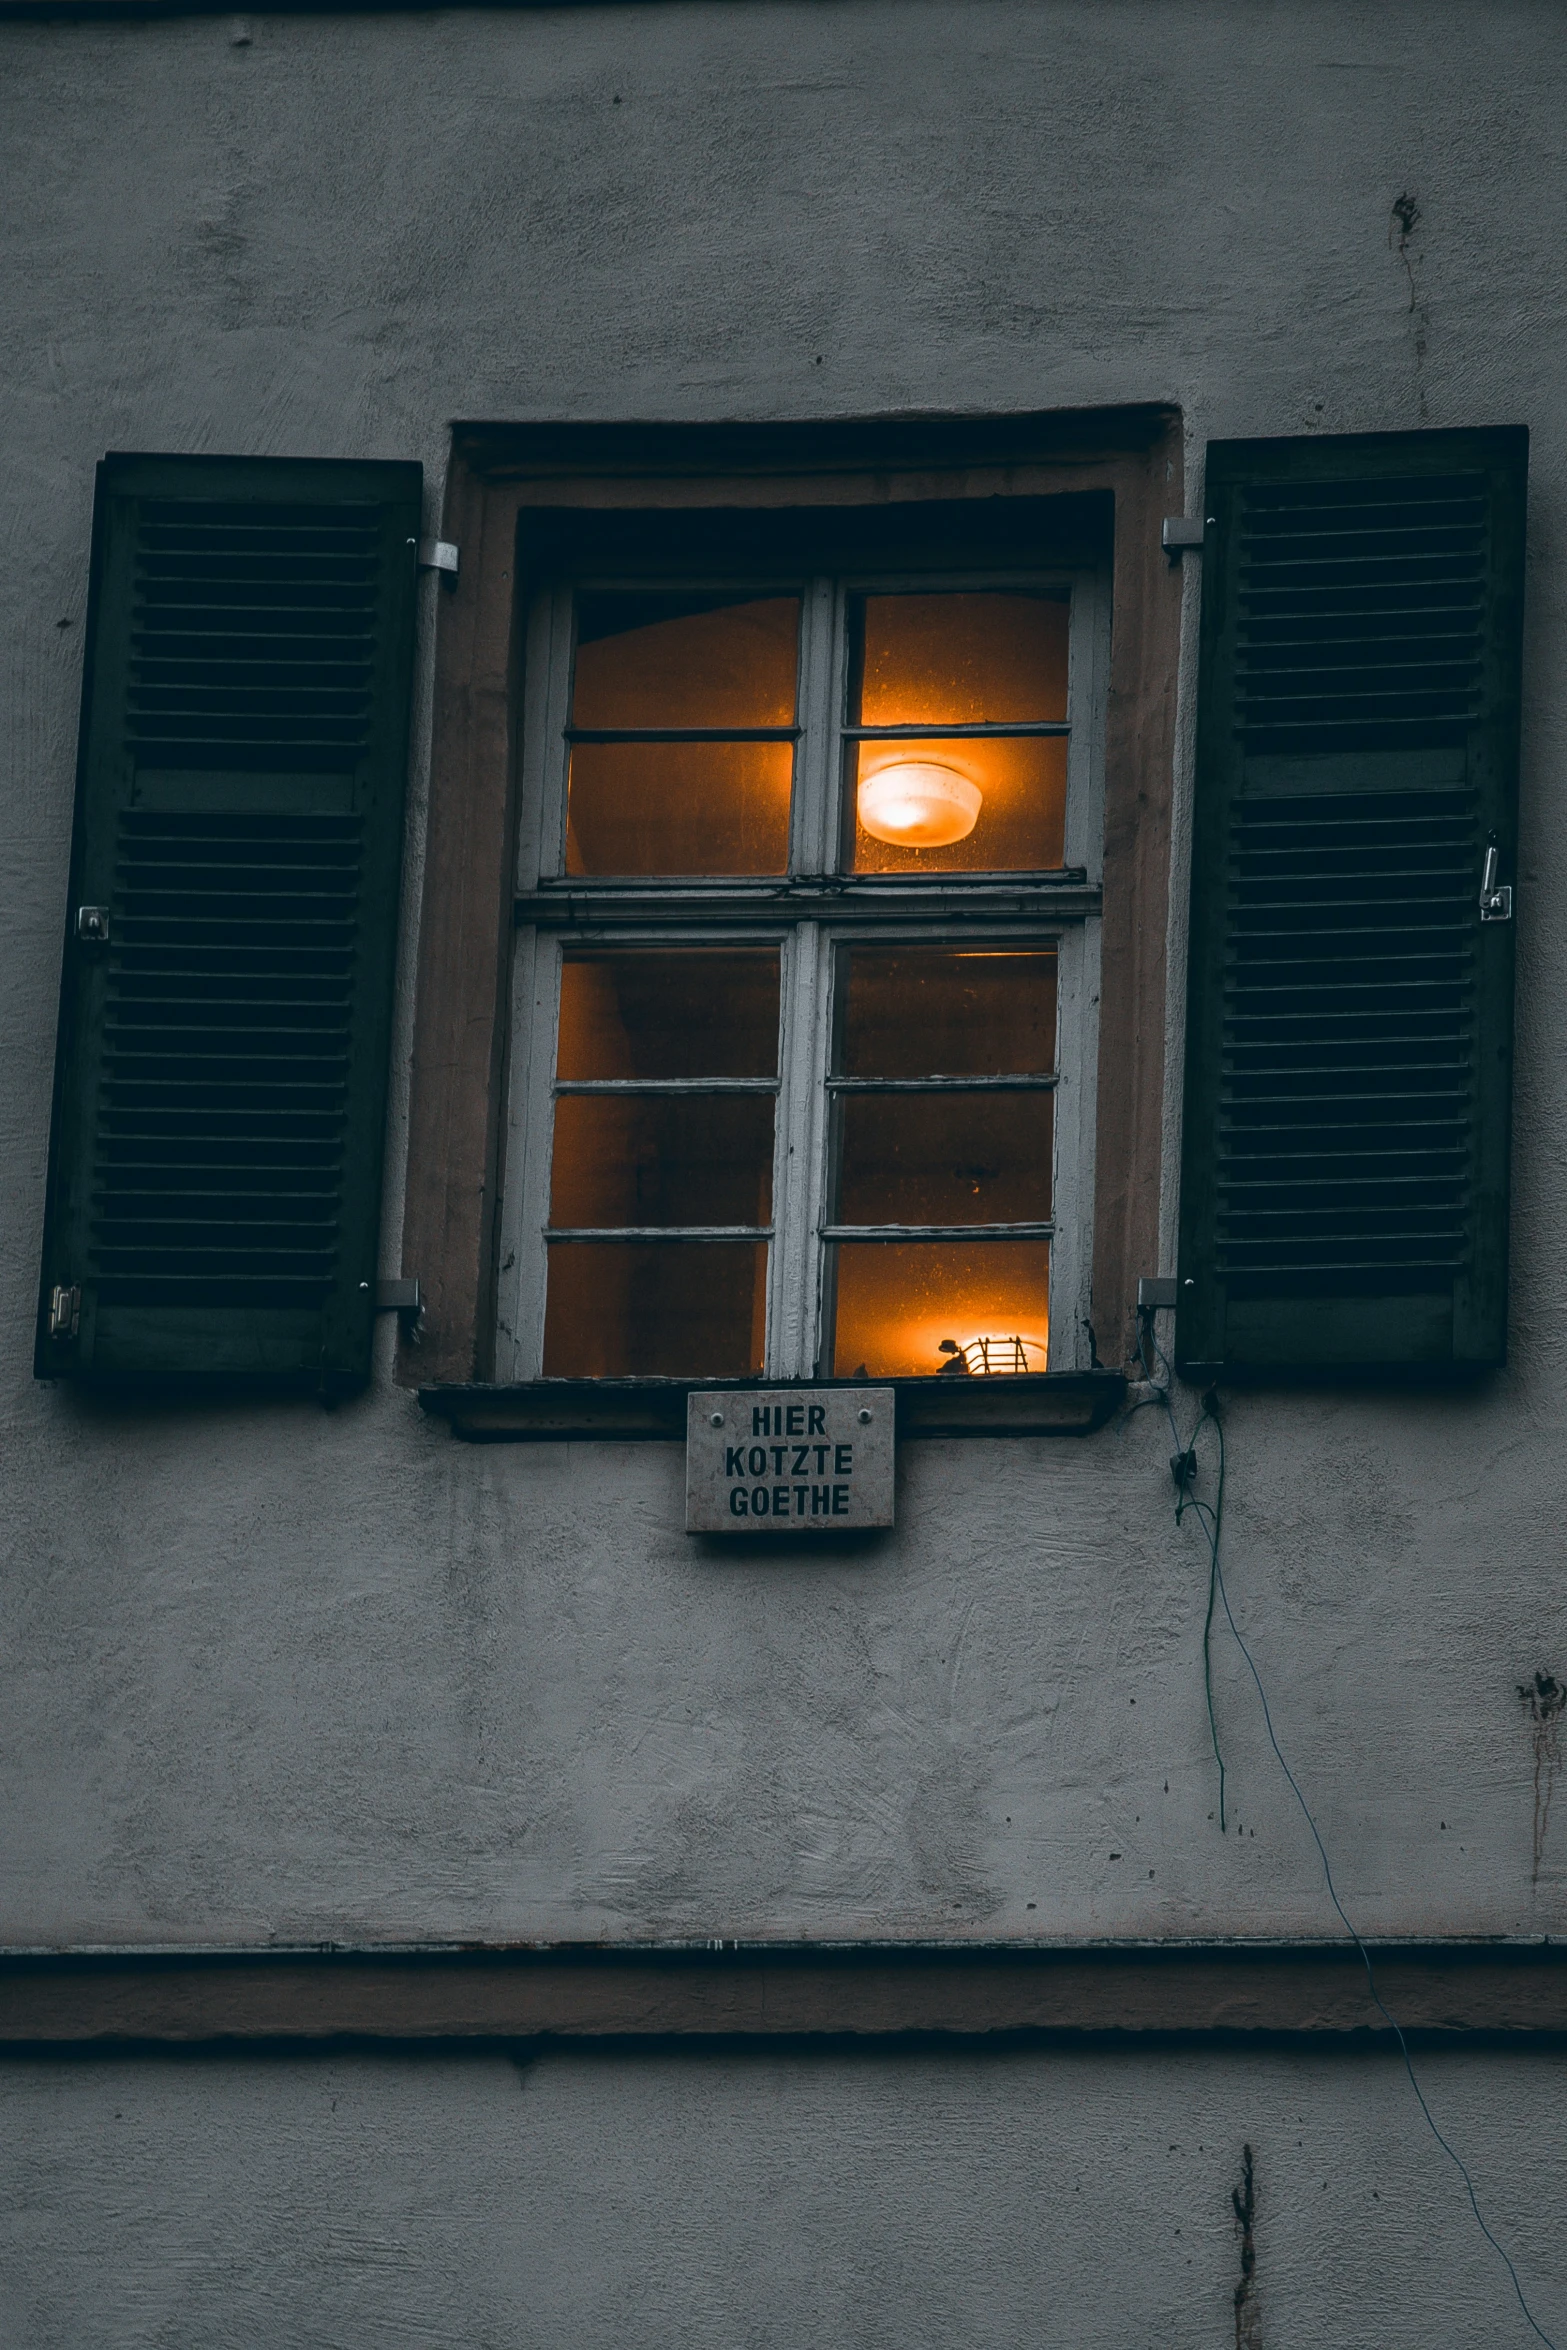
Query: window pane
(944, 1158)
(667, 1309)
(958, 660)
(669, 1012)
(679, 808)
(663, 660)
(1009, 791)
(948, 1012)
(899, 1299)
(668, 1159)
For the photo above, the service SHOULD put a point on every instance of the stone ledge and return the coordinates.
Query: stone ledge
(1042, 1403)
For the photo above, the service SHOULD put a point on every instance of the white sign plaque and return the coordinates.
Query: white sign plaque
(788, 1460)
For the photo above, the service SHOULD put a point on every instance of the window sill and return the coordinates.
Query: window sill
(1046, 1403)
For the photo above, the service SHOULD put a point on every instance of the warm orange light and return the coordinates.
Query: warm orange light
(919, 804)
(991, 1355)
(898, 1299)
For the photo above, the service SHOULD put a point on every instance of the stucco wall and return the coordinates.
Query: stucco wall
(273, 1672)
(780, 2203)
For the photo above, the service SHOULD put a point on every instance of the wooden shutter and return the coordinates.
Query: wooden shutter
(1349, 1012)
(220, 1080)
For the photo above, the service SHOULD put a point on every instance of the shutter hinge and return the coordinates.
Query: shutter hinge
(92, 925)
(1496, 899)
(439, 555)
(65, 1311)
(1182, 534)
(403, 1299)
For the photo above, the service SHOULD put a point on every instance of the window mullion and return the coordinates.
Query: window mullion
(1071, 1255)
(541, 825)
(811, 846)
(799, 1161)
(530, 1146)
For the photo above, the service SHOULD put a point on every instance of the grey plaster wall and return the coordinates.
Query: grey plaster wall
(778, 2203)
(272, 1673)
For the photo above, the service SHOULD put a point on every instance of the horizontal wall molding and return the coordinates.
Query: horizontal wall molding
(1125, 1992)
(142, 10)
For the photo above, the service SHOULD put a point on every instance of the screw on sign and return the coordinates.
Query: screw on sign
(789, 1460)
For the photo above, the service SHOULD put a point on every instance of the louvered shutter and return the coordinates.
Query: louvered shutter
(1349, 1015)
(220, 1083)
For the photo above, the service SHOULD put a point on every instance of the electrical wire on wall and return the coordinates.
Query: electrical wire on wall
(1185, 1468)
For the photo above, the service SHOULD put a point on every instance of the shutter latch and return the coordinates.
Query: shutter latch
(65, 1311)
(92, 925)
(1496, 899)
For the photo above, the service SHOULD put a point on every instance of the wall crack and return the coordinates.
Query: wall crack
(1543, 1700)
(1248, 2315)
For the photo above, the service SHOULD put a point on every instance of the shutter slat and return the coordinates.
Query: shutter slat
(1349, 1016)
(220, 1091)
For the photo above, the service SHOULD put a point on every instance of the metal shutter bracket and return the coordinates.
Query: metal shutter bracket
(1182, 534)
(402, 1298)
(439, 555)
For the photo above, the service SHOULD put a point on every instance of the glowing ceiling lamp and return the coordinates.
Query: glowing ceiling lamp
(919, 804)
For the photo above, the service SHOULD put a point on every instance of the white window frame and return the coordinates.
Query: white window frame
(833, 909)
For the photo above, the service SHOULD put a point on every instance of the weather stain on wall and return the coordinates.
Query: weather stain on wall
(1543, 1700)
(1248, 2315)
(1403, 222)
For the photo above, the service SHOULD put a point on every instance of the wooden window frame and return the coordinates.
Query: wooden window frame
(505, 480)
(553, 913)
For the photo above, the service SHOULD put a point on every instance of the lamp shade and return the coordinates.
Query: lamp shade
(919, 804)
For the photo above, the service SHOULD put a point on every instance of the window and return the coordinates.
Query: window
(804, 1036)
(832, 530)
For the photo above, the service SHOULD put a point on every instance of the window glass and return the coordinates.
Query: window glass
(968, 659)
(947, 1012)
(644, 1142)
(669, 1012)
(921, 1138)
(911, 1306)
(654, 665)
(944, 1158)
(1009, 791)
(667, 660)
(656, 1309)
(986, 802)
(667, 1159)
(679, 808)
